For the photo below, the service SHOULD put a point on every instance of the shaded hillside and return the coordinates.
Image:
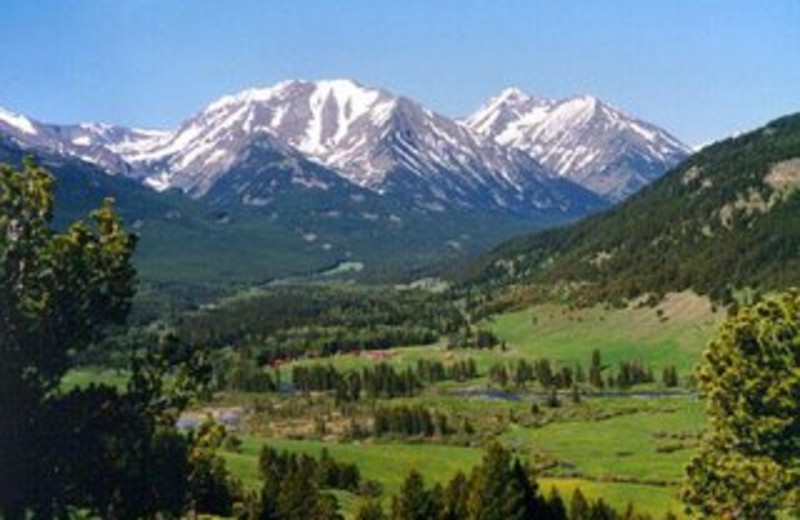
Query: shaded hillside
(726, 218)
(193, 249)
(181, 241)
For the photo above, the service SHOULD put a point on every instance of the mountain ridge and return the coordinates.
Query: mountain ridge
(370, 137)
(364, 134)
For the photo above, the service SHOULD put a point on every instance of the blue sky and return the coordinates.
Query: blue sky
(702, 69)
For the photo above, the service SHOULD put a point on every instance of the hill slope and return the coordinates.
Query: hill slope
(294, 220)
(181, 241)
(727, 218)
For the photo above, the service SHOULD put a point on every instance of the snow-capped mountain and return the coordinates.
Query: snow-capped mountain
(372, 138)
(582, 139)
(337, 170)
(97, 143)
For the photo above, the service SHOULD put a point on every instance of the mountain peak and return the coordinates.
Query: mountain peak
(585, 102)
(18, 122)
(581, 138)
(511, 94)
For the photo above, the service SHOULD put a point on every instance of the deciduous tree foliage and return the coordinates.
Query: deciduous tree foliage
(748, 466)
(97, 450)
(58, 292)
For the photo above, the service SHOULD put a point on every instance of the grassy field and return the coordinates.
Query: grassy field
(624, 449)
(673, 333)
(652, 445)
(389, 463)
(83, 377)
(635, 454)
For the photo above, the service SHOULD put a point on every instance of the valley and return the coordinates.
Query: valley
(324, 300)
(620, 443)
(593, 386)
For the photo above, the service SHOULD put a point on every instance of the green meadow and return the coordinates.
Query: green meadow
(675, 332)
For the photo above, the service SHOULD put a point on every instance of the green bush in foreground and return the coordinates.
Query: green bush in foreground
(748, 466)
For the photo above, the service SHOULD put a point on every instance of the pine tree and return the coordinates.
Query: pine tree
(500, 488)
(414, 502)
(370, 509)
(579, 508)
(454, 501)
(596, 370)
(554, 507)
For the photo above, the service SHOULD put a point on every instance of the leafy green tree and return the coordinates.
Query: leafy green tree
(748, 465)
(59, 292)
(211, 488)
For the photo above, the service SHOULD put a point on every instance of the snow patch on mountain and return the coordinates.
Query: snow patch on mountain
(18, 122)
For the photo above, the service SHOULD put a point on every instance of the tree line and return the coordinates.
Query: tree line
(289, 322)
(410, 421)
(379, 381)
(552, 376)
(499, 488)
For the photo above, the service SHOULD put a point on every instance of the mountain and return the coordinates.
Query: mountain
(303, 175)
(296, 217)
(97, 143)
(388, 144)
(581, 139)
(728, 218)
(181, 241)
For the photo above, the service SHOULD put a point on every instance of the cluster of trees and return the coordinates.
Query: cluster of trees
(632, 372)
(553, 377)
(293, 486)
(669, 377)
(379, 381)
(410, 421)
(468, 337)
(433, 370)
(498, 489)
(238, 370)
(104, 451)
(521, 372)
(288, 322)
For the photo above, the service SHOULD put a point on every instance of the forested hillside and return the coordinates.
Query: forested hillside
(725, 219)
